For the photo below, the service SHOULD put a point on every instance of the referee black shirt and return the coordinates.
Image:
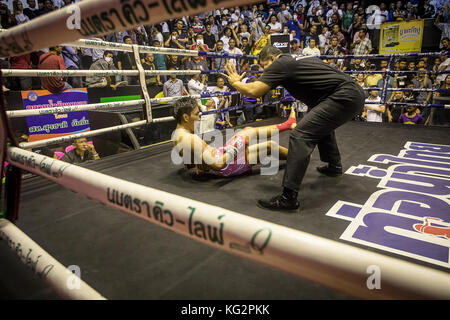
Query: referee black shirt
(307, 79)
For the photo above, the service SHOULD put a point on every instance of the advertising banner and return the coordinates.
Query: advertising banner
(401, 37)
(58, 124)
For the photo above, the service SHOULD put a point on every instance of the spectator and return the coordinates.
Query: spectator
(445, 44)
(399, 12)
(411, 116)
(400, 78)
(357, 65)
(311, 35)
(31, 12)
(200, 45)
(125, 61)
(246, 49)
(52, 60)
(324, 39)
(91, 55)
(208, 121)
(427, 10)
(221, 87)
(47, 7)
(181, 34)
(195, 86)
(173, 41)
(21, 62)
(295, 23)
(175, 62)
(262, 41)
(411, 11)
(245, 34)
(391, 12)
(275, 26)
(219, 62)
(372, 79)
(190, 37)
(311, 49)
(443, 26)
(141, 36)
(157, 34)
(209, 38)
(105, 63)
(284, 15)
(410, 96)
(148, 63)
(335, 31)
(362, 45)
(83, 151)
(373, 111)
(72, 62)
(334, 48)
(295, 48)
(444, 66)
(174, 87)
(347, 18)
(160, 61)
(226, 37)
(197, 25)
(315, 19)
(394, 111)
(294, 37)
(18, 12)
(334, 21)
(195, 63)
(422, 82)
(444, 85)
(232, 49)
(360, 79)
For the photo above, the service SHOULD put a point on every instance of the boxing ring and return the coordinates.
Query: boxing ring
(184, 253)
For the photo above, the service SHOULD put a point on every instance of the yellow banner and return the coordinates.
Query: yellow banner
(401, 36)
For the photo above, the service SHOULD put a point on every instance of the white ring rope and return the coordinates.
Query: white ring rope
(45, 266)
(92, 106)
(105, 45)
(334, 264)
(103, 73)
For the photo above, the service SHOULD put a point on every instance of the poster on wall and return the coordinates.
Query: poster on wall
(401, 37)
(59, 124)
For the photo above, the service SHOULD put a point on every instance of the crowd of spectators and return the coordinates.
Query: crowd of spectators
(315, 27)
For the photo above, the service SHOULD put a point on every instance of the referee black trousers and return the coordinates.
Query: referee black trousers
(316, 128)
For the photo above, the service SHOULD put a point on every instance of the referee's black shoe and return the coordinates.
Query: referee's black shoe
(279, 203)
(330, 170)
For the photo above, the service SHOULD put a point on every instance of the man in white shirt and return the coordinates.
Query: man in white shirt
(195, 86)
(275, 26)
(311, 49)
(233, 50)
(373, 112)
(208, 121)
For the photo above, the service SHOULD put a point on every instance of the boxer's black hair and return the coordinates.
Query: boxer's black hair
(183, 106)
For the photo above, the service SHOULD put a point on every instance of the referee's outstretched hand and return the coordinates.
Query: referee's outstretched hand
(233, 76)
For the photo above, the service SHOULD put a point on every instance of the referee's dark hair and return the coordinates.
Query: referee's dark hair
(269, 51)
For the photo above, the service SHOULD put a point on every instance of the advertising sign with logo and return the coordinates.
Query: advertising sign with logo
(401, 36)
(59, 124)
(410, 213)
(281, 41)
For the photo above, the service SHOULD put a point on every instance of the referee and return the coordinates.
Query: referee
(333, 99)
